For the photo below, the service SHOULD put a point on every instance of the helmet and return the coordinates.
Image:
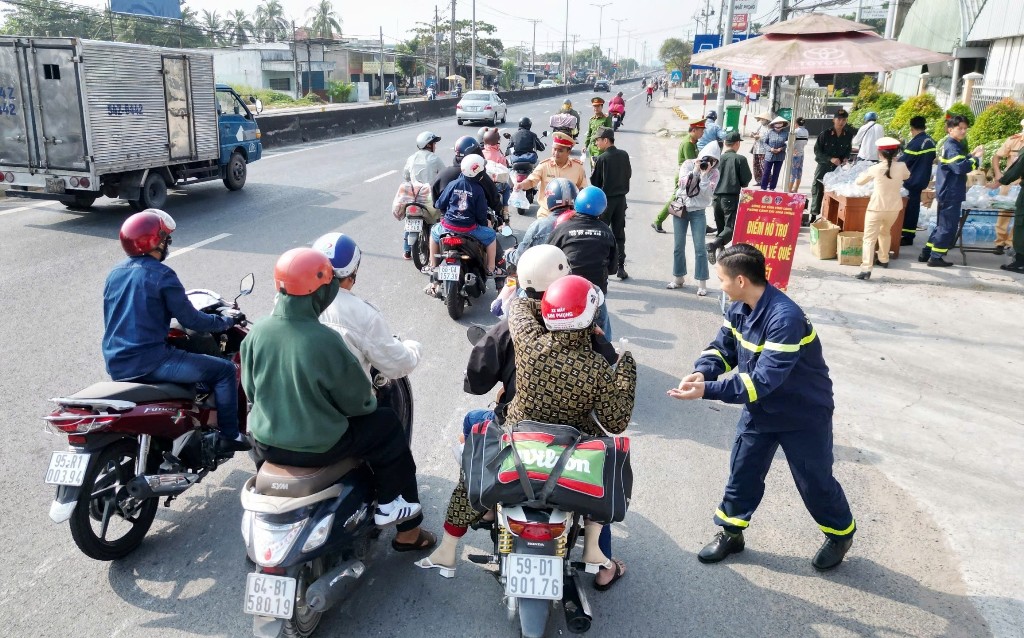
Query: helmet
(539, 266)
(425, 139)
(492, 136)
(342, 251)
(143, 232)
(871, 116)
(473, 165)
(591, 201)
(466, 145)
(301, 271)
(619, 94)
(525, 123)
(711, 115)
(560, 193)
(567, 102)
(480, 134)
(570, 303)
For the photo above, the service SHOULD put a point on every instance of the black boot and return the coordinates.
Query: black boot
(1017, 265)
(721, 546)
(926, 254)
(907, 241)
(863, 275)
(938, 262)
(881, 264)
(622, 274)
(831, 553)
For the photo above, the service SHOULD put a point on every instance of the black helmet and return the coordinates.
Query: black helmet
(525, 123)
(466, 145)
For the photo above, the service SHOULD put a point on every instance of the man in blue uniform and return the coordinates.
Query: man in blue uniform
(783, 382)
(919, 156)
(950, 190)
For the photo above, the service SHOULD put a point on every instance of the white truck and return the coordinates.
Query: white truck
(83, 118)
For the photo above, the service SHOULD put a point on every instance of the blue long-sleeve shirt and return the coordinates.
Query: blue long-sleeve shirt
(954, 165)
(712, 133)
(919, 156)
(782, 378)
(139, 299)
(464, 203)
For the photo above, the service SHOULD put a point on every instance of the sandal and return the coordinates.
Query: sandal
(620, 571)
(702, 292)
(431, 291)
(424, 541)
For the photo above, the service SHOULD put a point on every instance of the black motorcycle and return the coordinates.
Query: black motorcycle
(462, 273)
(520, 171)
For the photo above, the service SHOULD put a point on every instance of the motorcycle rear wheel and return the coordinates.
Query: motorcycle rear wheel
(105, 498)
(304, 622)
(456, 303)
(421, 250)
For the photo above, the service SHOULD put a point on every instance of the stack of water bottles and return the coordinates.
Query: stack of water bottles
(842, 181)
(982, 229)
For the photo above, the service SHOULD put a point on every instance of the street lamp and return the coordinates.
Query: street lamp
(600, 22)
(618, 26)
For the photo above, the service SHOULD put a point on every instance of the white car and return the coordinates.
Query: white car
(481, 106)
(546, 84)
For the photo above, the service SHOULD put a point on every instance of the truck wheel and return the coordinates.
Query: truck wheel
(81, 202)
(234, 172)
(154, 192)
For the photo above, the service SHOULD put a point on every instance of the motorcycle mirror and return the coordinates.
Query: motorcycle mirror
(507, 136)
(544, 134)
(245, 288)
(506, 231)
(475, 333)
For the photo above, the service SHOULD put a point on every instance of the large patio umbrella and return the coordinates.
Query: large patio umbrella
(816, 43)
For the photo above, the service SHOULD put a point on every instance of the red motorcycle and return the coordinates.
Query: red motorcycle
(130, 444)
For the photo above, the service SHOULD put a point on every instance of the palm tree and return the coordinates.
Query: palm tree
(270, 22)
(239, 26)
(324, 20)
(214, 27)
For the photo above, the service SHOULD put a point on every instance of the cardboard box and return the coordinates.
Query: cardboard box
(977, 177)
(824, 236)
(927, 197)
(851, 248)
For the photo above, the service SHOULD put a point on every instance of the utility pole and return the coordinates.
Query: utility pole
(437, 55)
(723, 75)
(618, 27)
(860, 11)
(533, 54)
(309, 67)
(295, 62)
(600, 24)
(572, 58)
(451, 58)
(382, 62)
(565, 46)
(472, 63)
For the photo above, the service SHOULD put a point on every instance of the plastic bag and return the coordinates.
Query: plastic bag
(518, 199)
(410, 193)
(498, 173)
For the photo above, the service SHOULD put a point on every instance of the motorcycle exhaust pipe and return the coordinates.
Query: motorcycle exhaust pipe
(335, 585)
(155, 485)
(578, 616)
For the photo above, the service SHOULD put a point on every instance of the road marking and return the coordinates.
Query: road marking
(381, 176)
(198, 244)
(634, 97)
(19, 209)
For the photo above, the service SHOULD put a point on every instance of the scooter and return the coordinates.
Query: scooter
(131, 444)
(311, 533)
(462, 273)
(417, 234)
(520, 171)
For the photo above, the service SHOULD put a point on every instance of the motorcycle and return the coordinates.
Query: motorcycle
(616, 121)
(462, 272)
(310, 532)
(417, 234)
(520, 171)
(390, 97)
(131, 444)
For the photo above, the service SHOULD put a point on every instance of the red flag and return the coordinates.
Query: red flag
(755, 84)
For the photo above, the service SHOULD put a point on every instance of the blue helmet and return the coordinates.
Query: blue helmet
(711, 115)
(560, 194)
(871, 116)
(591, 201)
(342, 251)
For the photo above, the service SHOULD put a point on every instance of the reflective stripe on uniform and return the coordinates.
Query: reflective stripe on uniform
(751, 390)
(952, 159)
(839, 532)
(790, 347)
(921, 152)
(729, 520)
(720, 356)
(910, 231)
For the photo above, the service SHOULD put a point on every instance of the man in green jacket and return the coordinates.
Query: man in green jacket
(1012, 174)
(312, 404)
(597, 121)
(687, 151)
(734, 175)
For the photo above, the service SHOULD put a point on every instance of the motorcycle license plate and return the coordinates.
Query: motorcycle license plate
(448, 272)
(267, 595)
(67, 468)
(528, 576)
(413, 225)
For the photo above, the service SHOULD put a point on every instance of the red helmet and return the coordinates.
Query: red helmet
(570, 303)
(301, 271)
(142, 232)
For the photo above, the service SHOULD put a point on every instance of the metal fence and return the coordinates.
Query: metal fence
(812, 101)
(985, 96)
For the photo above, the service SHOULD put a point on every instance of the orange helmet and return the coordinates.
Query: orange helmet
(142, 232)
(301, 271)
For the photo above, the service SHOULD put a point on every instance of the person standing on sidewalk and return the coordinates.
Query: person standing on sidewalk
(687, 151)
(612, 173)
(758, 150)
(919, 156)
(697, 181)
(1009, 150)
(734, 175)
(866, 139)
(831, 149)
(783, 383)
(797, 159)
(1016, 172)
(884, 205)
(950, 190)
(775, 142)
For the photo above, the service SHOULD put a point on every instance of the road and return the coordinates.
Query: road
(187, 578)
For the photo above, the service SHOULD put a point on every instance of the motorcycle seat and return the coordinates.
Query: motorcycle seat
(286, 480)
(137, 392)
(523, 166)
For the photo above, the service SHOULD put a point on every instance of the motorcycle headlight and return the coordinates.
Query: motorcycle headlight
(319, 535)
(271, 542)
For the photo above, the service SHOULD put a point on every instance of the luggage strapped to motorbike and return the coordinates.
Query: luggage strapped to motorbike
(414, 193)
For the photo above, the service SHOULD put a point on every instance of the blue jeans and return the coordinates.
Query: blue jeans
(473, 417)
(187, 368)
(505, 190)
(604, 321)
(697, 221)
(483, 234)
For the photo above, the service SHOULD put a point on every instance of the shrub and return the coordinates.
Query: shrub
(924, 105)
(867, 93)
(340, 91)
(998, 122)
(887, 101)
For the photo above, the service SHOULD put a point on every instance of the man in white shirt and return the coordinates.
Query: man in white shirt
(423, 165)
(867, 138)
(360, 324)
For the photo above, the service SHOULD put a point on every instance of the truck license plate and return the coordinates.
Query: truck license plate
(448, 272)
(267, 595)
(413, 225)
(54, 185)
(67, 468)
(529, 576)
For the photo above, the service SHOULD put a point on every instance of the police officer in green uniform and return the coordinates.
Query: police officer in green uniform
(597, 121)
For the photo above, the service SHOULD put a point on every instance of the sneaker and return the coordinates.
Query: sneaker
(721, 546)
(407, 255)
(428, 270)
(395, 512)
(237, 444)
(657, 227)
(938, 262)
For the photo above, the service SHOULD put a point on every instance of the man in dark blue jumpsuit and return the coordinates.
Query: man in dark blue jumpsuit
(919, 156)
(783, 382)
(950, 190)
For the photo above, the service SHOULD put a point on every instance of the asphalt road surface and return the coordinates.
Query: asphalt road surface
(187, 579)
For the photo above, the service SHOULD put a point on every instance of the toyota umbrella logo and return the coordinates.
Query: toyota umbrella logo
(823, 53)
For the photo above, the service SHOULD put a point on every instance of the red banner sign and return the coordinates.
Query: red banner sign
(770, 222)
(740, 21)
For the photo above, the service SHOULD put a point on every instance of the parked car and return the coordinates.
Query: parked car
(481, 106)
(602, 85)
(544, 84)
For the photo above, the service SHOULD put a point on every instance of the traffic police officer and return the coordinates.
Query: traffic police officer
(783, 382)
(559, 165)
(919, 156)
(598, 120)
(950, 189)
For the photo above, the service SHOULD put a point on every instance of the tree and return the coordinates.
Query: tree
(675, 53)
(509, 73)
(409, 63)
(487, 47)
(269, 22)
(214, 27)
(239, 26)
(324, 20)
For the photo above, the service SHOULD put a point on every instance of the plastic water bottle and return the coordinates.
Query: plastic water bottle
(970, 234)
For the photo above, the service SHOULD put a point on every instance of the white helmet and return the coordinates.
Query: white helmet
(539, 266)
(473, 165)
(480, 134)
(425, 139)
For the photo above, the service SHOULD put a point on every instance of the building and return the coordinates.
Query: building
(274, 65)
(999, 32)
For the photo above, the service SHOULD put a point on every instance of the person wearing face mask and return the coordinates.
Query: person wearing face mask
(140, 297)
(774, 142)
(697, 182)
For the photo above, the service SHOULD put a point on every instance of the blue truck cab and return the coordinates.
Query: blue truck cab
(237, 127)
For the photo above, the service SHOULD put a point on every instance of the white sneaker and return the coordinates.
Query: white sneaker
(677, 282)
(395, 512)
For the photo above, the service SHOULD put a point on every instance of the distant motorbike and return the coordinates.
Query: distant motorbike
(390, 98)
(462, 273)
(520, 171)
(311, 533)
(131, 444)
(616, 121)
